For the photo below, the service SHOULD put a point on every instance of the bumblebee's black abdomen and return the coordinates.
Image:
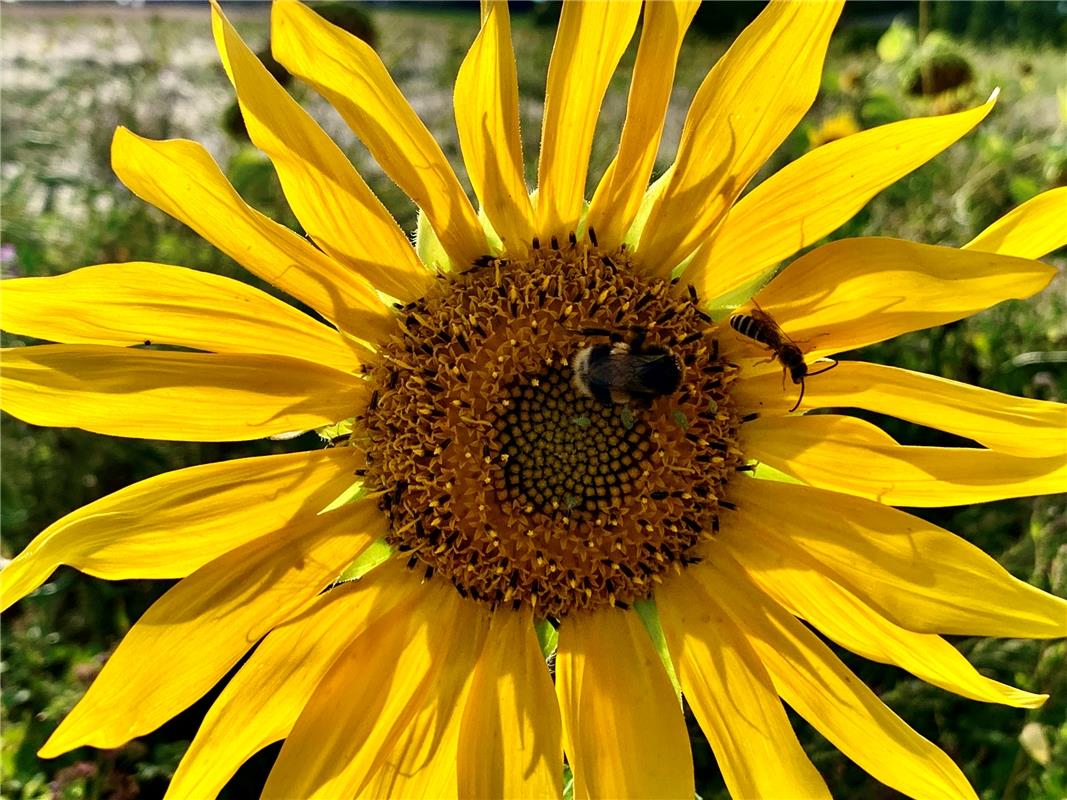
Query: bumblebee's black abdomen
(601, 392)
(659, 376)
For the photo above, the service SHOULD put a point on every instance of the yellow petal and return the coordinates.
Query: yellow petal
(262, 701)
(811, 679)
(764, 386)
(854, 292)
(849, 455)
(744, 109)
(1032, 230)
(172, 524)
(384, 703)
(184, 397)
(430, 744)
(348, 73)
(199, 629)
(648, 201)
(180, 178)
(141, 303)
(733, 698)
(920, 576)
(487, 121)
(1015, 425)
(611, 683)
(511, 743)
(333, 203)
(422, 758)
(816, 194)
(807, 590)
(590, 41)
(618, 197)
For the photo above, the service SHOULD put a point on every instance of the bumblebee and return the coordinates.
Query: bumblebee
(621, 372)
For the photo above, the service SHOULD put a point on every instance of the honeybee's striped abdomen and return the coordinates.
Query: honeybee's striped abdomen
(753, 328)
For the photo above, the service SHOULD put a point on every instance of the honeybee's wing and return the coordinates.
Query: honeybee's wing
(765, 318)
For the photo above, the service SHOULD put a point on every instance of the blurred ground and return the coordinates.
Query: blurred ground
(70, 76)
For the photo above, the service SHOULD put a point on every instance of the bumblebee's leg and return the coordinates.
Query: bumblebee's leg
(593, 331)
(601, 393)
(642, 400)
(613, 336)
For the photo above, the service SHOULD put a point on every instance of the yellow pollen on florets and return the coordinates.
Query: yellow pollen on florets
(500, 476)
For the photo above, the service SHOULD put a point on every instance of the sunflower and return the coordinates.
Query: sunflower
(557, 425)
(835, 127)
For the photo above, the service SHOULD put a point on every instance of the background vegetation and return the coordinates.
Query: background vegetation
(72, 76)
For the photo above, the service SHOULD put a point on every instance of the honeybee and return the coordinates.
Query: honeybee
(623, 371)
(760, 326)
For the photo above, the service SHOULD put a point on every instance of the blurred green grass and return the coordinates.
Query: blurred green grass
(71, 77)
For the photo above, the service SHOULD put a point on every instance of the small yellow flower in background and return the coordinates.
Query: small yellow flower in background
(714, 511)
(833, 128)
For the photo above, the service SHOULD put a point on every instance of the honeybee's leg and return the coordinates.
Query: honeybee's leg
(768, 360)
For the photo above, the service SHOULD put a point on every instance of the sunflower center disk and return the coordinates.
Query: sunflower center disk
(499, 475)
(564, 452)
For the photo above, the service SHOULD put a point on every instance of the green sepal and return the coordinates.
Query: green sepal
(428, 247)
(337, 430)
(349, 495)
(568, 782)
(492, 238)
(633, 236)
(769, 473)
(725, 304)
(547, 637)
(378, 553)
(649, 615)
